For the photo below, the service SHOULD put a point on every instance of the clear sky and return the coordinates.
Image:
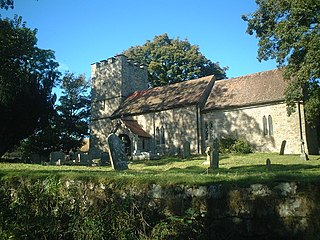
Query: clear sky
(82, 32)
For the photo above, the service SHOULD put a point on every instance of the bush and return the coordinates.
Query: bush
(232, 145)
(242, 146)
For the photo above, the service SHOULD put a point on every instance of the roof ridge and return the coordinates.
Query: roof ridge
(250, 75)
(136, 93)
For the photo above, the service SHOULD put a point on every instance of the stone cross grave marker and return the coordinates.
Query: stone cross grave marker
(214, 159)
(213, 154)
(119, 160)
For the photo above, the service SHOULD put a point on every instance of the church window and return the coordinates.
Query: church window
(163, 139)
(265, 126)
(157, 136)
(270, 125)
(206, 131)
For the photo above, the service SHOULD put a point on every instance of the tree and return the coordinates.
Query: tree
(68, 123)
(6, 4)
(27, 76)
(173, 60)
(289, 32)
(73, 112)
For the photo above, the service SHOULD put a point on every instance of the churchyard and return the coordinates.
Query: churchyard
(233, 168)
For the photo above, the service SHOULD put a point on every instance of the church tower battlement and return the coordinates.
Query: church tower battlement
(112, 81)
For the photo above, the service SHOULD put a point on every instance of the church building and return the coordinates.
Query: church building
(160, 120)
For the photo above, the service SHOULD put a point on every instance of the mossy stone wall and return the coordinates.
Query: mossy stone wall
(54, 208)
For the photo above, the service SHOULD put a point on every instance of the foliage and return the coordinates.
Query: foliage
(189, 226)
(289, 32)
(27, 76)
(57, 205)
(68, 124)
(6, 4)
(173, 60)
(73, 112)
(43, 141)
(231, 145)
(49, 209)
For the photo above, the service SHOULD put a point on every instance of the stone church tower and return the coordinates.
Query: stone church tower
(113, 80)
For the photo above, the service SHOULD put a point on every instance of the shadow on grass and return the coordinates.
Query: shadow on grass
(167, 160)
(274, 168)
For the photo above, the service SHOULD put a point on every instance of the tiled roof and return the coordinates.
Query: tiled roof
(257, 88)
(135, 128)
(167, 97)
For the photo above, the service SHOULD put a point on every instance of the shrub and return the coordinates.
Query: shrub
(232, 145)
(242, 146)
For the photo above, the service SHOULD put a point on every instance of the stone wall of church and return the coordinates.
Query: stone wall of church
(248, 123)
(100, 129)
(179, 125)
(112, 81)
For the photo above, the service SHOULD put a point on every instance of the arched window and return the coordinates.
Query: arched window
(163, 139)
(212, 131)
(265, 125)
(157, 136)
(270, 125)
(206, 131)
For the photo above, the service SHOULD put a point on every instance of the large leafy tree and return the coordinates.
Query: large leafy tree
(27, 76)
(68, 124)
(73, 112)
(173, 60)
(289, 32)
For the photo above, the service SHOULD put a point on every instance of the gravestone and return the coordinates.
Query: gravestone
(186, 149)
(283, 145)
(268, 164)
(77, 156)
(83, 158)
(119, 159)
(208, 152)
(57, 157)
(213, 154)
(214, 159)
(104, 158)
(303, 155)
(95, 154)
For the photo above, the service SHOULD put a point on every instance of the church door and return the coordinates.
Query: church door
(127, 143)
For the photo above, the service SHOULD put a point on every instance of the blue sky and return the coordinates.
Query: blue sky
(82, 32)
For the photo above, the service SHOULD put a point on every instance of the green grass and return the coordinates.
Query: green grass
(240, 169)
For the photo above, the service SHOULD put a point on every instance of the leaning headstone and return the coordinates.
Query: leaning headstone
(119, 159)
(283, 145)
(186, 149)
(56, 156)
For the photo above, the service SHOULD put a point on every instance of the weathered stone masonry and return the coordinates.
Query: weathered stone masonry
(250, 107)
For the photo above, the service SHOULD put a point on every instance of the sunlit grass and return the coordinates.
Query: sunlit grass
(240, 169)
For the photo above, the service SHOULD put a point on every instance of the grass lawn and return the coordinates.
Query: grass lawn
(239, 169)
